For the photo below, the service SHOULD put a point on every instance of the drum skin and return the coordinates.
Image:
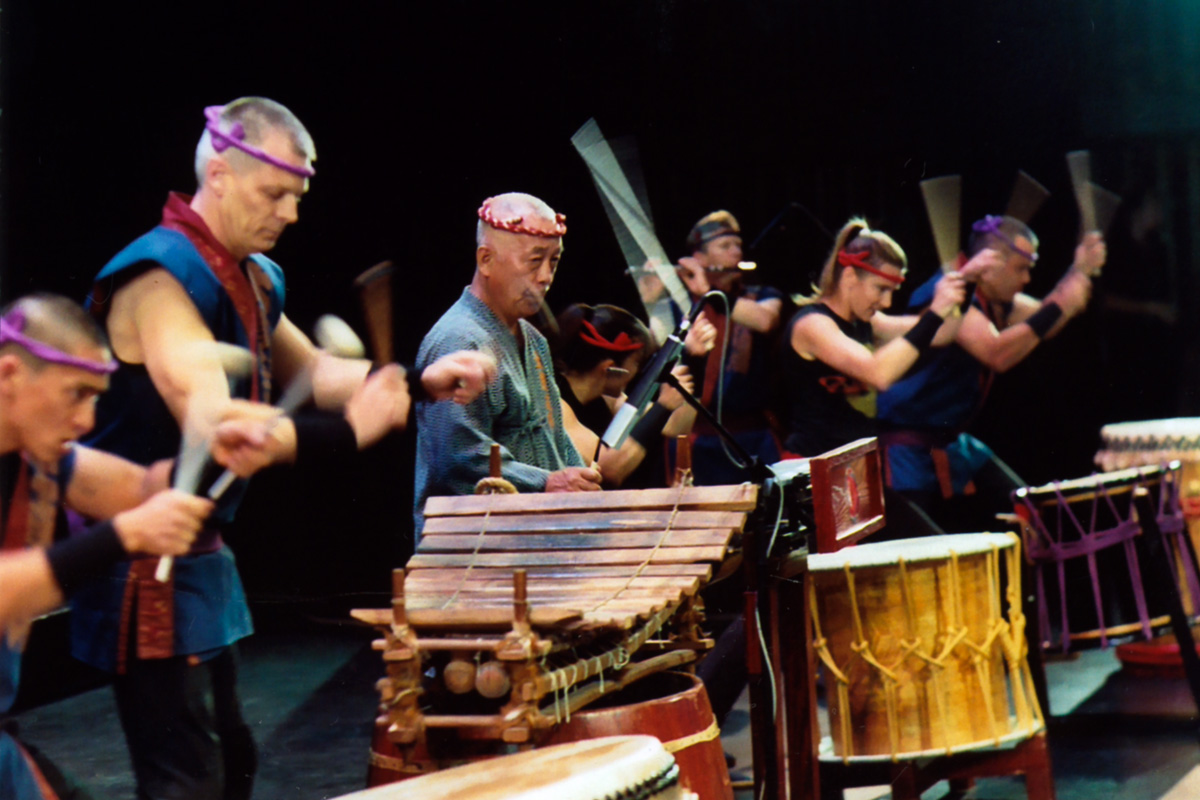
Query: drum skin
(621, 766)
(926, 611)
(671, 706)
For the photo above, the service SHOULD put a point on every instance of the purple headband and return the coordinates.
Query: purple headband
(991, 224)
(10, 331)
(236, 135)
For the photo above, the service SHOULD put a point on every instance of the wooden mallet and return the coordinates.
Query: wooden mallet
(375, 293)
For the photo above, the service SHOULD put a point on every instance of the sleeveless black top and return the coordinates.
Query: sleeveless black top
(816, 396)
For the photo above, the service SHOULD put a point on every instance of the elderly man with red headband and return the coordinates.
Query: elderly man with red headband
(54, 362)
(518, 246)
(196, 278)
(930, 457)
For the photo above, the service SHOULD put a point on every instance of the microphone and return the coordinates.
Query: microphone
(642, 395)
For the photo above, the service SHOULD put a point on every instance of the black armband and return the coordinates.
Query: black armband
(1044, 319)
(416, 389)
(321, 436)
(650, 425)
(77, 560)
(921, 334)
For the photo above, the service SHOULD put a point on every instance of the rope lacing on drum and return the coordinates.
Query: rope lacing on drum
(1009, 635)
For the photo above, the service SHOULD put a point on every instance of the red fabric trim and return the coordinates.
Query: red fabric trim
(859, 261)
(179, 216)
(16, 530)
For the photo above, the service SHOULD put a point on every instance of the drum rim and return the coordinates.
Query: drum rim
(917, 550)
(1109, 479)
(1006, 742)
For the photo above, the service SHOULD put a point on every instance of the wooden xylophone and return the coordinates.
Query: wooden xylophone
(518, 610)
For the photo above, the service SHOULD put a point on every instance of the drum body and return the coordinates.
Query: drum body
(1156, 442)
(619, 766)
(674, 708)
(920, 659)
(1080, 538)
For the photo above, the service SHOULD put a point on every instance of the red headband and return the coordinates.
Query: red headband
(622, 344)
(859, 261)
(516, 224)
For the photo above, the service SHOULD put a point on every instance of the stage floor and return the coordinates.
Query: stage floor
(309, 695)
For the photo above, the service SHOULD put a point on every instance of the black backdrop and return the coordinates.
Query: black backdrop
(420, 111)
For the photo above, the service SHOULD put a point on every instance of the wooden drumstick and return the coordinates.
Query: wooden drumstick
(237, 362)
(335, 337)
(375, 292)
(943, 206)
(1079, 164)
(1027, 197)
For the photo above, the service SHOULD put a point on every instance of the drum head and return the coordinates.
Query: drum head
(926, 548)
(616, 766)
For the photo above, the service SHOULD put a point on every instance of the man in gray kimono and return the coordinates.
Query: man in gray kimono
(518, 246)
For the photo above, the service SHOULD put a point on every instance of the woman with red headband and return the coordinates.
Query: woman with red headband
(843, 348)
(600, 349)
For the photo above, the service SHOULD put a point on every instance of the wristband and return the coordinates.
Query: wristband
(921, 334)
(1044, 319)
(77, 560)
(416, 389)
(321, 436)
(650, 425)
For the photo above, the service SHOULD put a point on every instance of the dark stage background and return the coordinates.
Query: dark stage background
(420, 111)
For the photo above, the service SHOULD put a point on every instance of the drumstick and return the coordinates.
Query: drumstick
(237, 362)
(335, 337)
(194, 453)
(375, 293)
(1027, 197)
(943, 206)
(1105, 205)
(1079, 164)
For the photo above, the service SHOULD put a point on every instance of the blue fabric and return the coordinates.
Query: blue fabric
(912, 467)
(939, 396)
(516, 411)
(134, 422)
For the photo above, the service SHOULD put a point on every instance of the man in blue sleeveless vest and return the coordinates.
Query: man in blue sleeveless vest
(930, 457)
(200, 277)
(54, 362)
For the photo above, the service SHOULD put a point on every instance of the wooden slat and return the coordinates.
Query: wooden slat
(490, 617)
(630, 556)
(599, 521)
(556, 571)
(583, 600)
(438, 543)
(741, 497)
(419, 585)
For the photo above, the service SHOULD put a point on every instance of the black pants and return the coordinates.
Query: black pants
(183, 724)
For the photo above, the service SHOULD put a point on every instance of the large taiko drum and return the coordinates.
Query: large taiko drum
(1155, 442)
(1080, 539)
(633, 767)
(673, 707)
(920, 658)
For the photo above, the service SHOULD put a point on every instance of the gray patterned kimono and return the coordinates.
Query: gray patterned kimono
(520, 411)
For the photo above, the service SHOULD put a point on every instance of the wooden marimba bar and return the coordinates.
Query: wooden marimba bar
(518, 610)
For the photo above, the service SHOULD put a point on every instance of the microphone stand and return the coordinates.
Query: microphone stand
(759, 472)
